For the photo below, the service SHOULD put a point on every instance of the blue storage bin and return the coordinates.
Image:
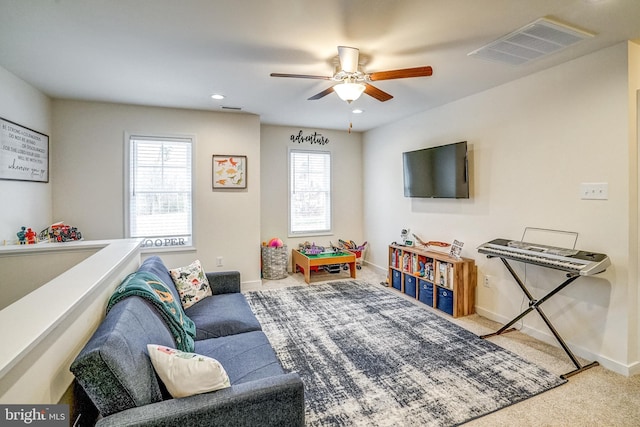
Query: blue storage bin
(444, 301)
(425, 292)
(410, 285)
(396, 280)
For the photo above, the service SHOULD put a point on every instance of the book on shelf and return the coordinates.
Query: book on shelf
(441, 272)
(428, 273)
(444, 275)
(396, 258)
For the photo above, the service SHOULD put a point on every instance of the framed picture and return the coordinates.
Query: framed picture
(24, 153)
(229, 172)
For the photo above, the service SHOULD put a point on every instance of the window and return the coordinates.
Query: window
(159, 191)
(309, 192)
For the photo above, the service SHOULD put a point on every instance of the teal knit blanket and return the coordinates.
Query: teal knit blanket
(149, 287)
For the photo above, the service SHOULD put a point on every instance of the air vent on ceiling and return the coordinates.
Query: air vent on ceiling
(224, 107)
(540, 38)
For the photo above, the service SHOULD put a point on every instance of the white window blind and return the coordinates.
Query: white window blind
(160, 198)
(309, 192)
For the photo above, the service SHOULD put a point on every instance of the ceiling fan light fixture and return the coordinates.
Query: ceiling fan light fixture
(349, 91)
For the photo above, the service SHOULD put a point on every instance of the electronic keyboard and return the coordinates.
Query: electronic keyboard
(574, 261)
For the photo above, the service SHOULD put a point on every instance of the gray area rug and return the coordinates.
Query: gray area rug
(368, 357)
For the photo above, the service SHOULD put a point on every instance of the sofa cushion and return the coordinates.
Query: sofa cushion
(185, 374)
(222, 315)
(114, 368)
(245, 357)
(191, 282)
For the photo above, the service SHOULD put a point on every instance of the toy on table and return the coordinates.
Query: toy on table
(22, 235)
(311, 248)
(351, 245)
(419, 240)
(404, 235)
(433, 245)
(31, 236)
(60, 232)
(357, 250)
(26, 236)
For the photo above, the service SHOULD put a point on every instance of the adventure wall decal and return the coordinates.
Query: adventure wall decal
(314, 138)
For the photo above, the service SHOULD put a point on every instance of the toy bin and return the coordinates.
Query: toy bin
(396, 280)
(410, 285)
(444, 301)
(274, 262)
(425, 292)
(332, 268)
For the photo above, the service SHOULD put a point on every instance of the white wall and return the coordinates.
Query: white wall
(89, 190)
(634, 141)
(346, 157)
(24, 203)
(19, 277)
(532, 142)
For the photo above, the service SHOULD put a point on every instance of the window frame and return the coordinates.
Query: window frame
(157, 244)
(308, 233)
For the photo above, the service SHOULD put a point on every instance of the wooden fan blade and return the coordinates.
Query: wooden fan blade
(378, 94)
(348, 58)
(300, 76)
(401, 74)
(321, 94)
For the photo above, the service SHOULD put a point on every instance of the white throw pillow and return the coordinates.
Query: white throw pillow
(185, 374)
(191, 283)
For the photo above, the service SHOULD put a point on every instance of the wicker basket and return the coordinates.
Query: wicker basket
(274, 262)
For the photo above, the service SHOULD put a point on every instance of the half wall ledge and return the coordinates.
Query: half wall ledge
(44, 330)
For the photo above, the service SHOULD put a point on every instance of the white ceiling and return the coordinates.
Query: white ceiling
(177, 53)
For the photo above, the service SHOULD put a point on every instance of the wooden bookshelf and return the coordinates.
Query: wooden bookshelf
(443, 282)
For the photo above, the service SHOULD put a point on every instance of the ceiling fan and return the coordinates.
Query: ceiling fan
(352, 82)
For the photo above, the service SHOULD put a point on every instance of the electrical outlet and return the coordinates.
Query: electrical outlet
(219, 261)
(487, 281)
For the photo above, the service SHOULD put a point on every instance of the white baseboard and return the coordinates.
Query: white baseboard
(547, 337)
(382, 270)
(250, 285)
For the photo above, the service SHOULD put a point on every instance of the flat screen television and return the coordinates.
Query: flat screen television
(437, 172)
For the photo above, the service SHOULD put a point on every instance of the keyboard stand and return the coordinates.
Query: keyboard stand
(535, 305)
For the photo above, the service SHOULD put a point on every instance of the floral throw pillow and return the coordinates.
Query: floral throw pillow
(191, 283)
(185, 374)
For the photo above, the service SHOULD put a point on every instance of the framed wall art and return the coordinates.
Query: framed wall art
(229, 172)
(24, 153)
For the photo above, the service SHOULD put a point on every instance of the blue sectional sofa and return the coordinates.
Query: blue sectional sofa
(115, 372)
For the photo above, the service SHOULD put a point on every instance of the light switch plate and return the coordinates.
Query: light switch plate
(594, 191)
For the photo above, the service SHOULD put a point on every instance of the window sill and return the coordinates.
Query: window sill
(164, 250)
(325, 233)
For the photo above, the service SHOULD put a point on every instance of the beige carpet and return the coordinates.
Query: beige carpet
(595, 397)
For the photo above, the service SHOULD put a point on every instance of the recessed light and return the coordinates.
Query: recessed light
(357, 111)
(217, 96)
